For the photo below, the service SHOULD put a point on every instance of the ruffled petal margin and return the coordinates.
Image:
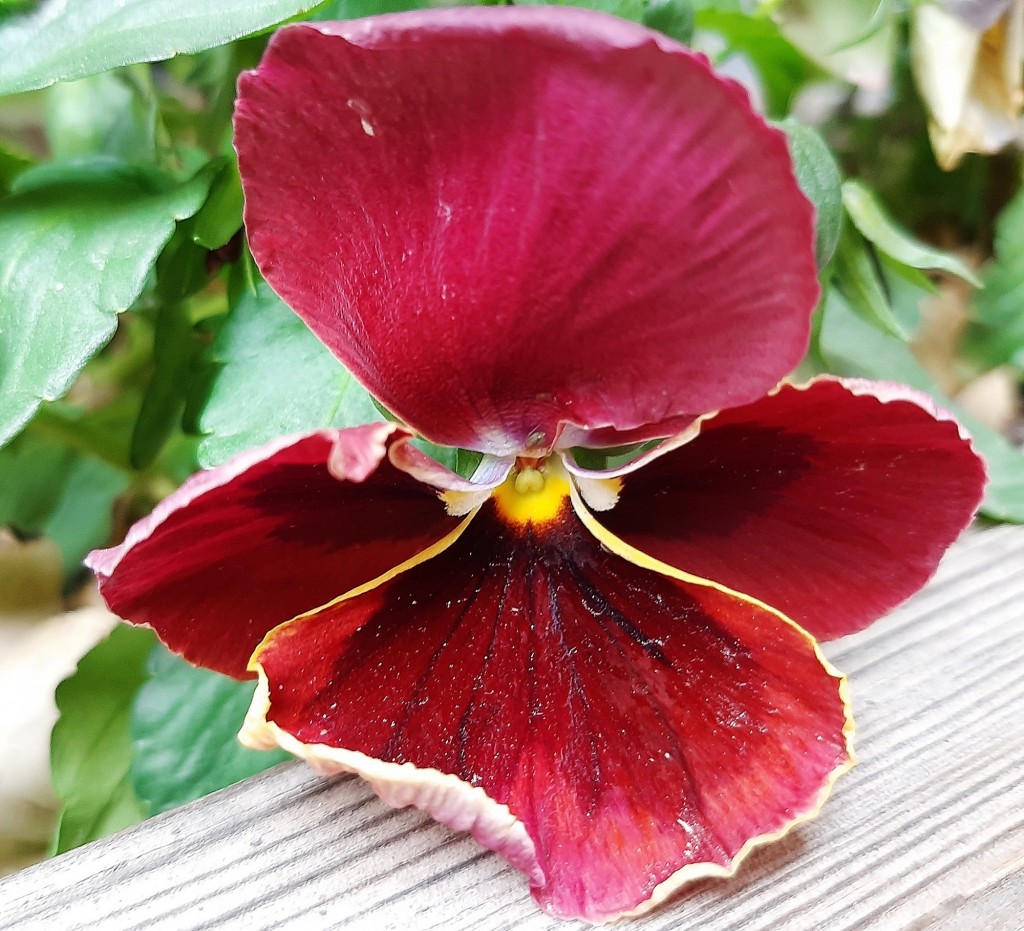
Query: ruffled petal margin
(508, 220)
(831, 501)
(273, 533)
(613, 730)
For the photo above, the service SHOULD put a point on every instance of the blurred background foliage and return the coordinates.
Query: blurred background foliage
(138, 343)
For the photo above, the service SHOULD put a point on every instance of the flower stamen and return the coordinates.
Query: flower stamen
(535, 493)
(529, 481)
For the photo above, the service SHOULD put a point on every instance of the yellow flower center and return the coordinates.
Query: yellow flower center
(532, 494)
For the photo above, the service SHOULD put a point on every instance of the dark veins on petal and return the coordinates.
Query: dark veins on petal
(386, 499)
(747, 472)
(619, 713)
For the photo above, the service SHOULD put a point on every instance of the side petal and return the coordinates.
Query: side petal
(832, 502)
(503, 220)
(275, 532)
(490, 472)
(613, 731)
(605, 437)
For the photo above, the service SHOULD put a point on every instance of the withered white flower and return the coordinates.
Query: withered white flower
(40, 645)
(968, 60)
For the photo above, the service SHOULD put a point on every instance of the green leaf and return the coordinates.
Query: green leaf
(104, 433)
(65, 40)
(164, 399)
(891, 239)
(858, 276)
(624, 9)
(184, 726)
(84, 515)
(782, 69)
(997, 336)
(221, 216)
(47, 488)
(277, 378)
(184, 267)
(32, 477)
(102, 115)
(91, 749)
(905, 291)
(353, 9)
(850, 346)
(181, 269)
(674, 18)
(10, 7)
(12, 164)
(76, 245)
(818, 176)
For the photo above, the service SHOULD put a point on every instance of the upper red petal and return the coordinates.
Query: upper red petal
(506, 219)
(643, 730)
(237, 550)
(831, 502)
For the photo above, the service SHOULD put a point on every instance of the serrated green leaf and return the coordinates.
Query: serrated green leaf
(871, 218)
(859, 278)
(850, 346)
(818, 176)
(997, 336)
(77, 243)
(276, 378)
(184, 726)
(66, 40)
(91, 749)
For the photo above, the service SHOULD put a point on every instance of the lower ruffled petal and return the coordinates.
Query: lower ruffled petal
(832, 501)
(271, 534)
(614, 731)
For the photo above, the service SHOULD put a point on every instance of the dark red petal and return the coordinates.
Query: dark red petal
(503, 219)
(831, 502)
(239, 549)
(642, 730)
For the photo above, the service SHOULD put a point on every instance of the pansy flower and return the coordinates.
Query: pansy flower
(533, 233)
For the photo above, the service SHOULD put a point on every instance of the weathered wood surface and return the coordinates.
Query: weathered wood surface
(927, 833)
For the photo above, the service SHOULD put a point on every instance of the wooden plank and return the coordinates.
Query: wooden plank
(926, 833)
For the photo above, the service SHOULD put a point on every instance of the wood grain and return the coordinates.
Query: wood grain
(927, 832)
